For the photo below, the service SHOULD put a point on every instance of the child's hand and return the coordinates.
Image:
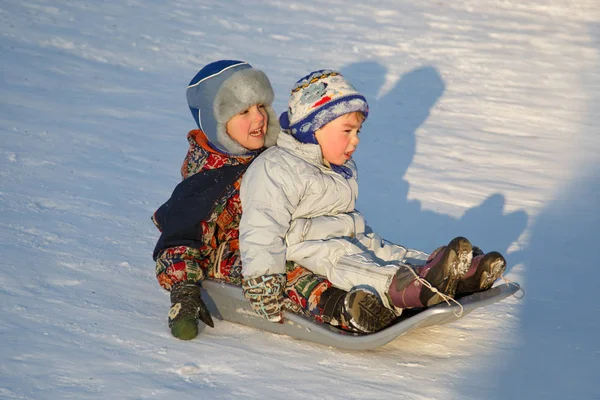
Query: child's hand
(265, 294)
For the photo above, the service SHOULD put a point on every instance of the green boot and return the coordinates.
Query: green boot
(187, 308)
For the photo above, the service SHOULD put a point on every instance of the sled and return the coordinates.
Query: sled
(226, 302)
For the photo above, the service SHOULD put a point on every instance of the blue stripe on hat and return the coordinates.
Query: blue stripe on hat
(304, 129)
(214, 69)
(202, 90)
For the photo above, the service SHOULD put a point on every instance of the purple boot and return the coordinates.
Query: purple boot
(443, 271)
(485, 269)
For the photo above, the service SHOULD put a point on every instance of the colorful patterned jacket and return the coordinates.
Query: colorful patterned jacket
(200, 227)
(199, 223)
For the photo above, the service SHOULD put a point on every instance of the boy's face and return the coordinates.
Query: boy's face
(249, 127)
(339, 138)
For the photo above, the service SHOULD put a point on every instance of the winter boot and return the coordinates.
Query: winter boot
(357, 310)
(484, 271)
(186, 308)
(445, 267)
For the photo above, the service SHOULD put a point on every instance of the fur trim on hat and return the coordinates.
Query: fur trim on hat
(240, 91)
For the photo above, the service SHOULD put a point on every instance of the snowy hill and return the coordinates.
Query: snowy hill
(484, 123)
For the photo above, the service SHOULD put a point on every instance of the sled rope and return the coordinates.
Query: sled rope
(444, 297)
(218, 259)
(508, 282)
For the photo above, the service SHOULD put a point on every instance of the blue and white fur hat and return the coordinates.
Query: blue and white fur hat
(317, 99)
(223, 89)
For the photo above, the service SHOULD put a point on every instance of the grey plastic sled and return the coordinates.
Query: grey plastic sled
(226, 302)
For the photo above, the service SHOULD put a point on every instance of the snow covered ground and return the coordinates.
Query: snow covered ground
(484, 123)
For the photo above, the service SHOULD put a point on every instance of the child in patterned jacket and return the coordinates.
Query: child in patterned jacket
(231, 105)
(299, 205)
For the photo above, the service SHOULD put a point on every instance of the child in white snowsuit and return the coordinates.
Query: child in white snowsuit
(299, 205)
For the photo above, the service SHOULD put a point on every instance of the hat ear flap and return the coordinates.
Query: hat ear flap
(225, 141)
(284, 120)
(273, 127)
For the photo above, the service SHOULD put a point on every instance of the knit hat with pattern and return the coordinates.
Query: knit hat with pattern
(223, 89)
(317, 99)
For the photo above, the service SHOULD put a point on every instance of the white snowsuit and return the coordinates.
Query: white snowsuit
(296, 208)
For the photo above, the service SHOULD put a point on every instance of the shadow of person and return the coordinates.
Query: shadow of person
(559, 326)
(559, 352)
(493, 229)
(390, 134)
(388, 147)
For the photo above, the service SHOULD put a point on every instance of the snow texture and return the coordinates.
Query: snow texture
(484, 122)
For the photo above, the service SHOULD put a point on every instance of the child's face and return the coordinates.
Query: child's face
(249, 127)
(339, 138)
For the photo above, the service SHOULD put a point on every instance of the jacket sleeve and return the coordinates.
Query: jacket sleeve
(192, 201)
(269, 194)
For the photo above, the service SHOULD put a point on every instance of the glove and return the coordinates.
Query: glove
(265, 294)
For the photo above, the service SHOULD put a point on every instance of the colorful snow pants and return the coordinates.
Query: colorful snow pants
(185, 264)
